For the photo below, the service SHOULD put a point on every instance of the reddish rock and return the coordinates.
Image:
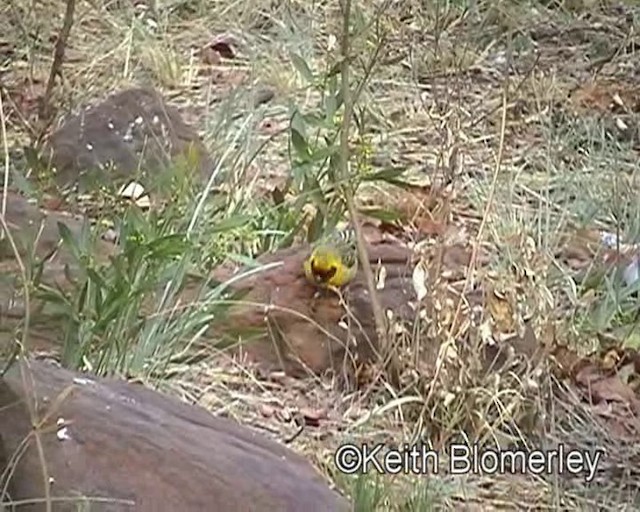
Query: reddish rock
(137, 449)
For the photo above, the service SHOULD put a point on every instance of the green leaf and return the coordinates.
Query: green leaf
(297, 126)
(245, 261)
(300, 145)
(331, 106)
(389, 175)
(321, 154)
(313, 119)
(69, 240)
(632, 340)
(290, 237)
(311, 188)
(96, 278)
(234, 222)
(302, 67)
(335, 70)
(385, 174)
(22, 184)
(316, 227)
(168, 246)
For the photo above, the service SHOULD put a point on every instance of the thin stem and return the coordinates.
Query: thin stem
(378, 313)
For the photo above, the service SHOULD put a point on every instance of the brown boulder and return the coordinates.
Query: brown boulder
(301, 329)
(133, 132)
(136, 449)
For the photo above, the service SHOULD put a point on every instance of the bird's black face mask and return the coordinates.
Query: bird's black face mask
(322, 275)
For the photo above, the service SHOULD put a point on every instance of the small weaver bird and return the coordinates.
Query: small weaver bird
(333, 261)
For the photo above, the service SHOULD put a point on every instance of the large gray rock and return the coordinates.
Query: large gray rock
(138, 450)
(130, 133)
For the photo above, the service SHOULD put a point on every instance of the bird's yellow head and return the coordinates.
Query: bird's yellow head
(326, 266)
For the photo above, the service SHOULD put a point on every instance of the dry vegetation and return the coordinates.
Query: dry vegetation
(516, 124)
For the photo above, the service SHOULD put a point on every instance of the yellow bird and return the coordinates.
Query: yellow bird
(333, 260)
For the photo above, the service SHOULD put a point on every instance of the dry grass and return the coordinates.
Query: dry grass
(476, 94)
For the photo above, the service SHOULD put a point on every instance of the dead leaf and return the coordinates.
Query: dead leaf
(610, 360)
(606, 96)
(210, 57)
(223, 46)
(567, 360)
(312, 417)
(606, 388)
(266, 410)
(502, 312)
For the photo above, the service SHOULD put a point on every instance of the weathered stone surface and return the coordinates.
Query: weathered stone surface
(302, 330)
(140, 450)
(130, 134)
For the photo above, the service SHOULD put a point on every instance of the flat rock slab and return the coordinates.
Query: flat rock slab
(130, 448)
(131, 134)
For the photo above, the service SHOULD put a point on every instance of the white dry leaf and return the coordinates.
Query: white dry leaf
(622, 126)
(610, 240)
(448, 398)
(617, 100)
(136, 193)
(486, 333)
(63, 434)
(450, 353)
(382, 277)
(332, 42)
(87, 364)
(531, 384)
(447, 352)
(82, 381)
(398, 327)
(419, 278)
(631, 273)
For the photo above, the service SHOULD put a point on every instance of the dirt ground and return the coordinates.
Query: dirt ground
(518, 124)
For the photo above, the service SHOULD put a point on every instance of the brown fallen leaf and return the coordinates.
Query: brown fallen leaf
(312, 417)
(223, 45)
(610, 389)
(610, 360)
(266, 410)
